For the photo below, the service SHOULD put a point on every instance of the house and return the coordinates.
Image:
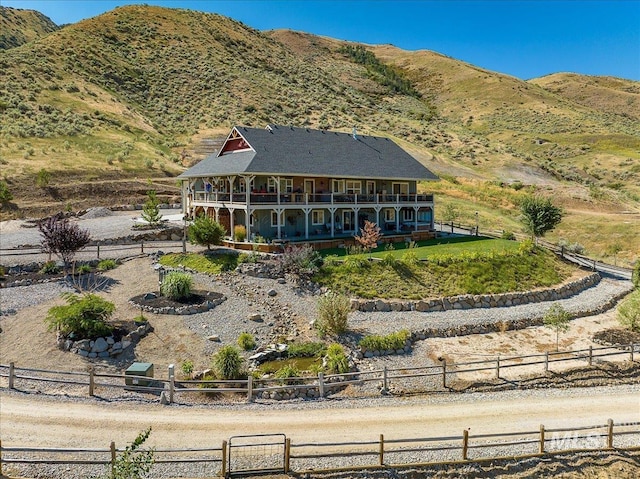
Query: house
(282, 182)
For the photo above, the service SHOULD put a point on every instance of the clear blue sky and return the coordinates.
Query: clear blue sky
(523, 38)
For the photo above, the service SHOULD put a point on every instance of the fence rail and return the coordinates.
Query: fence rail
(386, 452)
(172, 388)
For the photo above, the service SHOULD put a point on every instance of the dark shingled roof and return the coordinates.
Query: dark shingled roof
(285, 150)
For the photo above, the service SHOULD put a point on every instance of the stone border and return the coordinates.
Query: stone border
(182, 310)
(470, 301)
(106, 347)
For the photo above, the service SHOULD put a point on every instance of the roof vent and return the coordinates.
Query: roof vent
(354, 133)
(269, 128)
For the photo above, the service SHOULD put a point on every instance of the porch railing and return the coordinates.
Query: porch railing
(257, 198)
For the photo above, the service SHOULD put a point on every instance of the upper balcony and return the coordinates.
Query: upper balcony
(320, 200)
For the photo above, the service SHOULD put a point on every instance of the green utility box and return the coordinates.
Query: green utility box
(139, 369)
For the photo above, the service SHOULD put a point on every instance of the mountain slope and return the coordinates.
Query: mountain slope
(133, 93)
(18, 26)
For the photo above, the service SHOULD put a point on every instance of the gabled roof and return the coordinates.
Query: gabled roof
(284, 150)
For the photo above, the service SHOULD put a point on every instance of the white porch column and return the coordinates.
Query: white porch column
(397, 208)
(332, 212)
(278, 212)
(377, 210)
(248, 210)
(306, 222)
(415, 219)
(231, 223)
(216, 211)
(248, 213)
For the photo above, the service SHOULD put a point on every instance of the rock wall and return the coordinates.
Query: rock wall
(469, 301)
(103, 347)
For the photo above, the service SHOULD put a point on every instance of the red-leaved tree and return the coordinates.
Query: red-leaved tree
(369, 235)
(62, 238)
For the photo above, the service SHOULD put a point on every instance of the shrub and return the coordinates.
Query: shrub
(239, 233)
(336, 360)
(86, 316)
(83, 269)
(227, 363)
(107, 264)
(635, 276)
(300, 259)
(205, 231)
(557, 318)
(187, 368)
(508, 235)
(287, 371)
(43, 177)
(390, 342)
(333, 312)
(306, 350)
(176, 285)
(5, 194)
(389, 259)
(354, 263)
(62, 238)
(246, 341)
(133, 462)
(151, 209)
(50, 267)
(629, 312)
(410, 257)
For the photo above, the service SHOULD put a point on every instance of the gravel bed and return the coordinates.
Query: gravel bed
(17, 298)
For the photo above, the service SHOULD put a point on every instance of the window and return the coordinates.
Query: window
(286, 185)
(274, 219)
(338, 186)
(271, 185)
(251, 219)
(317, 217)
(400, 188)
(389, 215)
(407, 215)
(354, 187)
(371, 187)
(424, 216)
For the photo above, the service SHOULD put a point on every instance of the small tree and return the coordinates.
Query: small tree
(539, 215)
(43, 178)
(635, 276)
(227, 363)
(62, 238)
(369, 235)
(151, 209)
(629, 312)
(205, 231)
(133, 462)
(557, 318)
(333, 312)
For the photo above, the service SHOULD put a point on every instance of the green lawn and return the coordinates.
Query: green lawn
(438, 246)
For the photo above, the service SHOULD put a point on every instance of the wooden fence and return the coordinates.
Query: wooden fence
(378, 453)
(436, 377)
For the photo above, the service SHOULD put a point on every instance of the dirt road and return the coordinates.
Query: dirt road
(42, 422)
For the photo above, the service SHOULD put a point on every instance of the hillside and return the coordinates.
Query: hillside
(18, 26)
(130, 95)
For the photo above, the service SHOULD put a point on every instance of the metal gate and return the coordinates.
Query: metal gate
(259, 454)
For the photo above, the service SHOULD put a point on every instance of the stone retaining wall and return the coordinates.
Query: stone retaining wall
(182, 310)
(173, 233)
(469, 301)
(103, 347)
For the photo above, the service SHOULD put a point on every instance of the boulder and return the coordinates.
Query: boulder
(100, 345)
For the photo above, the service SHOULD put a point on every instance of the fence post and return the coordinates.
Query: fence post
(541, 448)
(610, 434)
(382, 449)
(91, 381)
(11, 375)
(142, 246)
(223, 472)
(546, 362)
(0, 457)
(631, 352)
(250, 388)
(498, 367)
(465, 444)
(321, 384)
(385, 384)
(287, 454)
(444, 373)
(590, 355)
(172, 382)
(113, 457)
(98, 247)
